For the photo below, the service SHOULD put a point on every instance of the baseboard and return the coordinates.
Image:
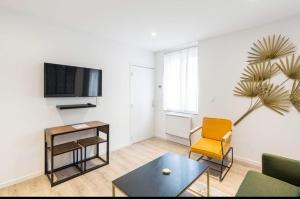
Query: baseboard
(21, 179)
(178, 140)
(159, 136)
(249, 163)
(119, 147)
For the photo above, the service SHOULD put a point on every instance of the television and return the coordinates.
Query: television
(71, 81)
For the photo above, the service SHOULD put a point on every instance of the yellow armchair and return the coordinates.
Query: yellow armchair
(214, 143)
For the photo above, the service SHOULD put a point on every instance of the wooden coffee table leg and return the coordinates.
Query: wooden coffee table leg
(207, 186)
(207, 172)
(113, 190)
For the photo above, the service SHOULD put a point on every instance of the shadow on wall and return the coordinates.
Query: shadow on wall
(70, 116)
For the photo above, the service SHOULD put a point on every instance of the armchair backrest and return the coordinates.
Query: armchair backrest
(215, 128)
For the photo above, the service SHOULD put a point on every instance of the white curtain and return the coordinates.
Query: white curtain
(180, 81)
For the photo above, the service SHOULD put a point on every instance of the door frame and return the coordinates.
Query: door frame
(131, 140)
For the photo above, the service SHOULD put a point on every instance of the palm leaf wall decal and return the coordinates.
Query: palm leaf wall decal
(295, 95)
(275, 98)
(290, 67)
(259, 72)
(270, 48)
(247, 89)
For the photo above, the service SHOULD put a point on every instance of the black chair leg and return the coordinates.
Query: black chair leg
(231, 156)
(79, 159)
(76, 156)
(228, 167)
(222, 165)
(221, 172)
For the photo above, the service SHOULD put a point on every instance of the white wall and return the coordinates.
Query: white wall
(221, 62)
(25, 44)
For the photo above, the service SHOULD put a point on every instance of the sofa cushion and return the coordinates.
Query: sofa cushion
(298, 192)
(257, 184)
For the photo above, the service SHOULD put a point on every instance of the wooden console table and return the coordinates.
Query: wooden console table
(74, 146)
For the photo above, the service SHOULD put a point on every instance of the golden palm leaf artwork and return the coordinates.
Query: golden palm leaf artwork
(295, 95)
(268, 57)
(275, 98)
(260, 71)
(290, 66)
(247, 89)
(270, 48)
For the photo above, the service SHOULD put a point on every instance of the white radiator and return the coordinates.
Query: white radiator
(178, 125)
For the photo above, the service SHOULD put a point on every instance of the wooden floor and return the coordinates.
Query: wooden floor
(98, 182)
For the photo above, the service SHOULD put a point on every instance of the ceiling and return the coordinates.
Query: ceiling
(175, 22)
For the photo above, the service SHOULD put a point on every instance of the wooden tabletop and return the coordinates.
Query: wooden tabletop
(68, 129)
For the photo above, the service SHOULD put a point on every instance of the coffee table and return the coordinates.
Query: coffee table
(148, 180)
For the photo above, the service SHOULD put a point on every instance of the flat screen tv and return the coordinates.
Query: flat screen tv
(71, 81)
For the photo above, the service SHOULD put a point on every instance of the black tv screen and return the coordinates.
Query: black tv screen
(71, 81)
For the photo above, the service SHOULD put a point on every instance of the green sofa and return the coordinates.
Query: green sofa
(280, 177)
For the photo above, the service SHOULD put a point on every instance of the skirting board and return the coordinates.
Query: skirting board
(249, 163)
(177, 139)
(21, 179)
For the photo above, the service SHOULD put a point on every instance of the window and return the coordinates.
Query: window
(181, 81)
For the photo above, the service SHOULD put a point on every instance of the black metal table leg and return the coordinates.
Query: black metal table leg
(81, 160)
(74, 161)
(46, 155)
(84, 158)
(52, 166)
(107, 146)
(97, 146)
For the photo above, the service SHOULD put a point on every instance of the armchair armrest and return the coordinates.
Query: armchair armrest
(284, 169)
(227, 137)
(195, 129)
(192, 132)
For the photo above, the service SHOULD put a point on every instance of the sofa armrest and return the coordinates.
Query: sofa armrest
(281, 168)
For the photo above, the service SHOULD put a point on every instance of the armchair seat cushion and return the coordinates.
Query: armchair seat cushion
(210, 148)
(257, 184)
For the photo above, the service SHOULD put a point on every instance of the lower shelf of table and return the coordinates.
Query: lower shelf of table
(59, 177)
(91, 166)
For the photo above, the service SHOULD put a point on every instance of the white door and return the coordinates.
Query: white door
(142, 103)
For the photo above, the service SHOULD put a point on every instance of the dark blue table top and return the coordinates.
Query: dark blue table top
(148, 180)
